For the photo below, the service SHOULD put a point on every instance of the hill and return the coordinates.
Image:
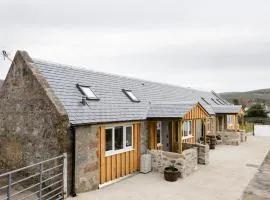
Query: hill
(254, 96)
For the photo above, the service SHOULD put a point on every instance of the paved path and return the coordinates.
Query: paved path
(225, 178)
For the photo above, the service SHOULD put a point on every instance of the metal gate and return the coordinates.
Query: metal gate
(46, 180)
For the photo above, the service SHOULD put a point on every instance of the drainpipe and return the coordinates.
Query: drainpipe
(73, 146)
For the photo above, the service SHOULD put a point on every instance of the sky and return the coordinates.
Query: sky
(208, 45)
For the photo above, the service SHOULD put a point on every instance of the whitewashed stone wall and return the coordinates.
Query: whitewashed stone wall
(186, 162)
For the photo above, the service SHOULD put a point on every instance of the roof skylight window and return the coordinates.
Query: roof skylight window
(219, 100)
(87, 91)
(130, 95)
(205, 101)
(214, 101)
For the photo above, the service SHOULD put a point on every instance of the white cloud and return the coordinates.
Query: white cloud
(206, 45)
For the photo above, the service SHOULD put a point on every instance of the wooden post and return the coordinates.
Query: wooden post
(172, 137)
(235, 122)
(65, 175)
(180, 136)
(205, 129)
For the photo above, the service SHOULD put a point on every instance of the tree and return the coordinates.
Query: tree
(236, 102)
(256, 110)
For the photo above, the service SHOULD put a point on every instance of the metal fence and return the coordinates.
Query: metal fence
(46, 180)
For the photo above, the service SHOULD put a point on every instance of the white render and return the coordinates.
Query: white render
(261, 130)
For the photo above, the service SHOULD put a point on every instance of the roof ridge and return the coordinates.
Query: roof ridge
(49, 63)
(171, 102)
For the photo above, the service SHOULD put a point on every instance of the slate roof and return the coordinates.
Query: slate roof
(167, 110)
(227, 109)
(113, 104)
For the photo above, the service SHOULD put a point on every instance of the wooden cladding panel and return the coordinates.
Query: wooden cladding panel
(138, 149)
(118, 165)
(127, 162)
(194, 131)
(114, 167)
(123, 164)
(102, 155)
(131, 166)
(135, 145)
(197, 112)
(180, 136)
(108, 168)
(152, 141)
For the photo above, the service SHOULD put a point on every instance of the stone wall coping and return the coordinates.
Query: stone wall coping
(174, 155)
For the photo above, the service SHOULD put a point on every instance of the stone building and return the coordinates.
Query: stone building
(104, 122)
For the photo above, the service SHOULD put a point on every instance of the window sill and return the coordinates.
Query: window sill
(187, 137)
(111, 153)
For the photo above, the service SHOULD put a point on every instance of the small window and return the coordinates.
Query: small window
(187, 129)
(109, 139)
(159, 139)
(86, 90)
(131, 96)
(128, 136)
(118, 139)
(205, 101)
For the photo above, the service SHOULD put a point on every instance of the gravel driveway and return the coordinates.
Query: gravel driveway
(227, 175)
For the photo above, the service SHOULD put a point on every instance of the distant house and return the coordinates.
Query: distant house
(103, 121)
(1, 83)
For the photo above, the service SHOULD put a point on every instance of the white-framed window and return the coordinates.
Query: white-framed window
(187, 129)
(159, 133)
(118, 139)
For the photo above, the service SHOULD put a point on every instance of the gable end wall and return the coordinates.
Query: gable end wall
(33, 123)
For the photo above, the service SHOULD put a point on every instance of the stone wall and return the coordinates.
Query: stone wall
(232, 138)
(203, 152)
(243, 137)
(186, 162)
(33, 124)
(259, 186)
(87, 159)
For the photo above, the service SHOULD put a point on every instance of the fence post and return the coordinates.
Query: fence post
(40, 180)
(9, 187)
(65, 175)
